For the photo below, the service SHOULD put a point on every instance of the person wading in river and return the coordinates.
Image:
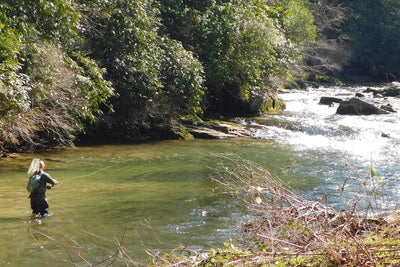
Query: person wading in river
(38, 198)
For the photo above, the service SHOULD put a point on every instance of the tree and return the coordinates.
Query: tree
(374, 29)
(246, 46)
(182, 79)
(331, 51)
(122, 36)
(155, 78)
(47, 91)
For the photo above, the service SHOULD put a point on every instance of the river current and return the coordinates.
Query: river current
(341, 149)
(159, 196)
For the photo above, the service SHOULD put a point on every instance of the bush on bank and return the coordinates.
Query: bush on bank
(125, 69)
(139, 66)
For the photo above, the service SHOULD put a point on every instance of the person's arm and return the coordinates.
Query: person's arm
(49, 179)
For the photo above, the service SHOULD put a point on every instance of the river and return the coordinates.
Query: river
(341, 149)
(159, 196)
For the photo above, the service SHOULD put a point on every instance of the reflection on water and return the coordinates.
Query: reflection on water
(155, 196)
(160, 196)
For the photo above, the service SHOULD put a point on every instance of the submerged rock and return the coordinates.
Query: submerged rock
(356, 106)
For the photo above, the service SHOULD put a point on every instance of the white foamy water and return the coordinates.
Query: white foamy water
(337, 147)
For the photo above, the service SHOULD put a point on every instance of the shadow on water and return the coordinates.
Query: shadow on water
(160, 196)
(155, 196)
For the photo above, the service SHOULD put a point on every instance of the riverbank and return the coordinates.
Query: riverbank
(375, 248)
(289, 230)
(324, 156)
(107, 131)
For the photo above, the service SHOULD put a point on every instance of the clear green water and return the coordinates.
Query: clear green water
(156, 196)
(160, 196)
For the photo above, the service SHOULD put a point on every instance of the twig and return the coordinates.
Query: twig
(279, 240)
(62, 245)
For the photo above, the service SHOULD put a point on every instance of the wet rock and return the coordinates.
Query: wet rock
(389, 108)
(388, 92)
(356, 106)
(391, 92)
(396, 84)
(325, 100)
(370, 90)
(207, 133)
(218, 130)
(303, 84)
(359, 95)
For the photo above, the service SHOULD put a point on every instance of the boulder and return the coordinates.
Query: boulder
(325, 100)
(255, 105)
(356, 106)
(264, 103)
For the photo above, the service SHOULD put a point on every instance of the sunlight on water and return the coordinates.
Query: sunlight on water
(160, 196)
(334, 142)
(154, 196)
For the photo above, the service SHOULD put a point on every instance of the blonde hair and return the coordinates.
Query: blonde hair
(42, 165)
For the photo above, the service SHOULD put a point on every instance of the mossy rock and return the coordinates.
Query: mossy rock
(183, 132)
(270, 104)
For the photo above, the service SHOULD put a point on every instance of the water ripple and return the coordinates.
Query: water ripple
(324, 141)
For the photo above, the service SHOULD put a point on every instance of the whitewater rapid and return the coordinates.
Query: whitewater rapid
(341, 149)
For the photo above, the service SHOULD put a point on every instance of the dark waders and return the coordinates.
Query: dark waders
(39, 204)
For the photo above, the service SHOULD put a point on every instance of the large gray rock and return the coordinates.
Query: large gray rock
(356, 106)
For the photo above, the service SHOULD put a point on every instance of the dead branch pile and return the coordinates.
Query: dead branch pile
(284, 221)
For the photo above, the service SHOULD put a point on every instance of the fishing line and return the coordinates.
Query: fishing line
(86, 175)
(95, 172)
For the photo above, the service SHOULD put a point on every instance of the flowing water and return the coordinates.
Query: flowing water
(159, 196)
(341, 149)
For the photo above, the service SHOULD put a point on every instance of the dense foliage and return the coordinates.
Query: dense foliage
(374, 28)
(46, 92)
(155, 79)
(123, 68)
(246, 47)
